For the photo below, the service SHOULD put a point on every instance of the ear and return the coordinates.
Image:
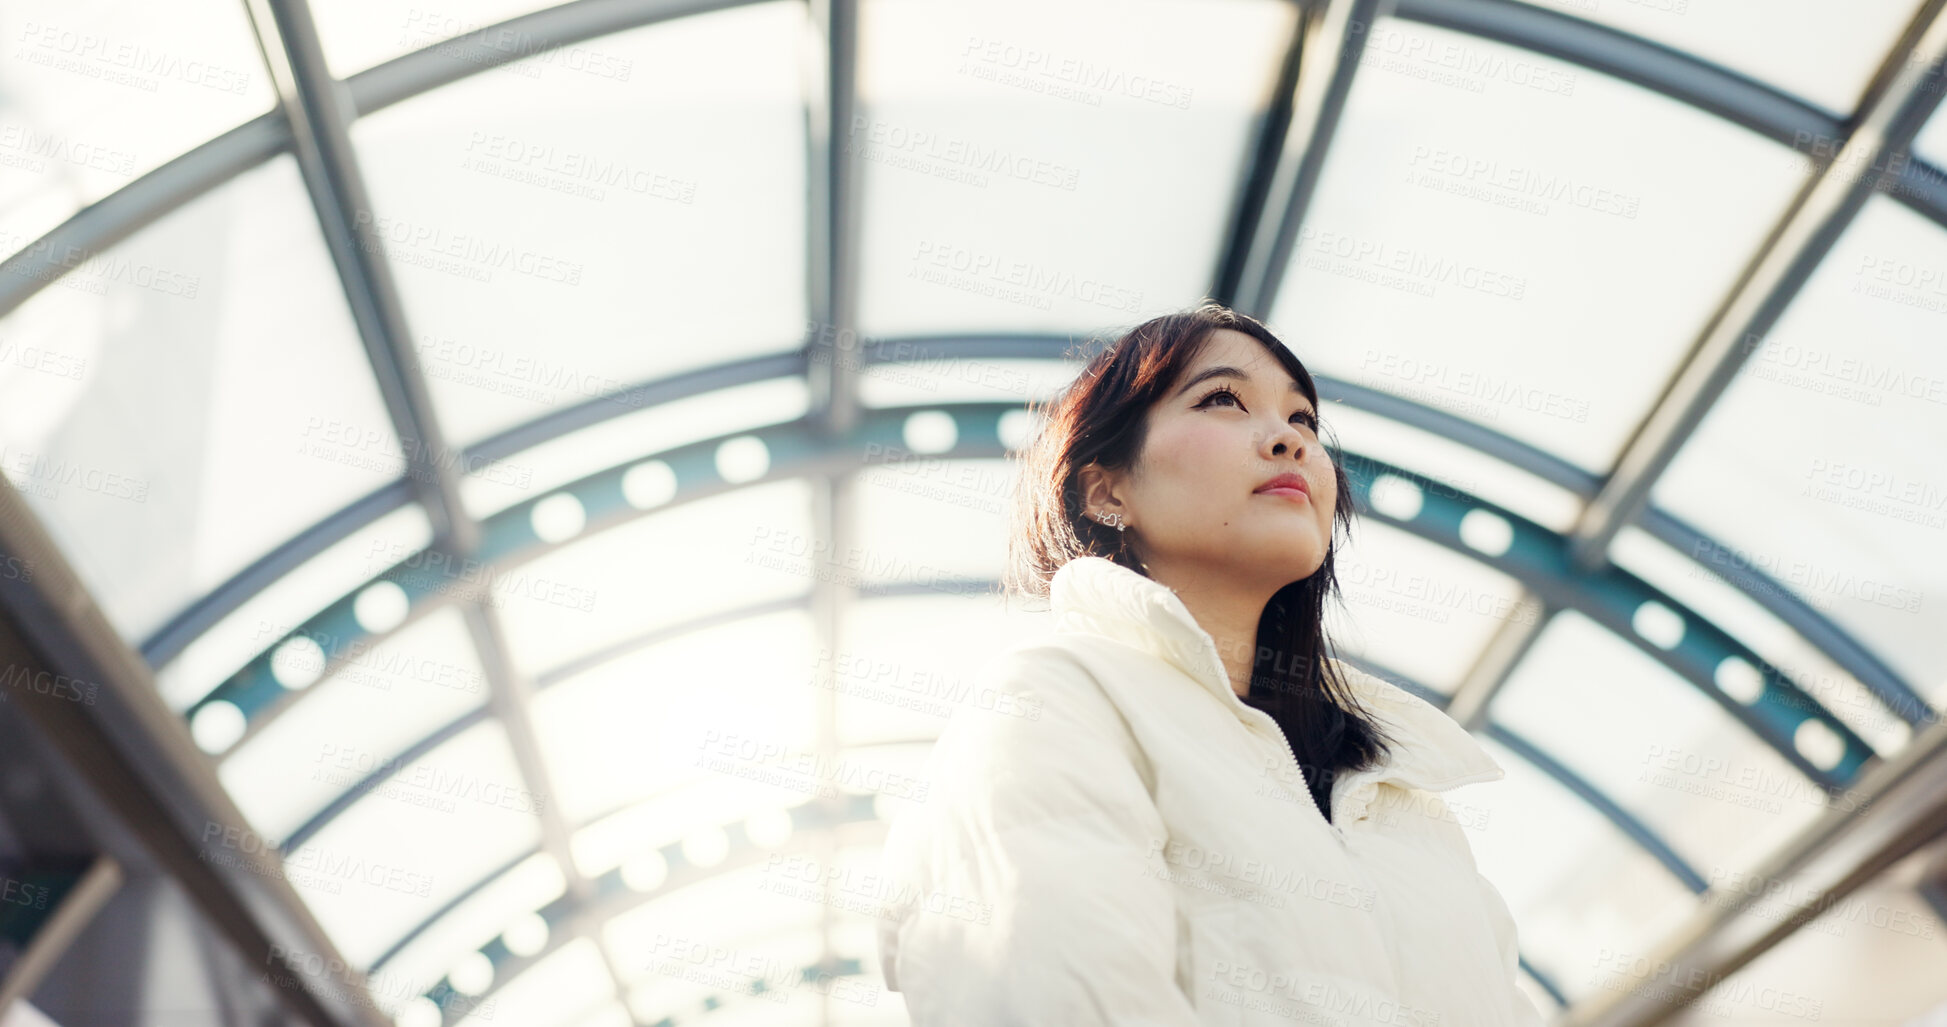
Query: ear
(1099, 488)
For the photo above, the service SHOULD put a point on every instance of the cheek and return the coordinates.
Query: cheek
(1192, 453)
(1189, 469)
(1327, 495)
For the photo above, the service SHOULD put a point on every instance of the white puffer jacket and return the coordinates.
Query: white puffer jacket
(1127, 842)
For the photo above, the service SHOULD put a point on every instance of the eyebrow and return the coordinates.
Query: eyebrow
(1226, 371)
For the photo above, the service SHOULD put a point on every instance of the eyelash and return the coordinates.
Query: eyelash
(1311, 419)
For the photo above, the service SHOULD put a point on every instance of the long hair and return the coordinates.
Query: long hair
(1102, 417)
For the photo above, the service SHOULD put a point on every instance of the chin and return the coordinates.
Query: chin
(1283, 562)
(1301, 572)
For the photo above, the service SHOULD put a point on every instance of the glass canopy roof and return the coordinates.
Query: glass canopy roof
(559, 455)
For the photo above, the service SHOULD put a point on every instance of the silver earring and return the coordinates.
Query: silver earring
(1113, 520)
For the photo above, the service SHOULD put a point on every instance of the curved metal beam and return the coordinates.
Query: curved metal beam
(1610, 599)
(1847, 652)
(192, 621)
(1483, 12)
(1631, 826)
(206, 612)
(1538, 558)
(1535, 556)
(1902, 100)
(232, 594)
(139, 204)
(1335, 33)
(568, 918)
(611, 896)
(1771, 113)
(1683, 77)
(546, 679)
(320, 131)
(449, 60)
(145, 200)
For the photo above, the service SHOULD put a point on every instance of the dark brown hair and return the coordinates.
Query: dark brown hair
(1102, 417)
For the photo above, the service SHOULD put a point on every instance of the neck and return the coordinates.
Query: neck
(1227, 611)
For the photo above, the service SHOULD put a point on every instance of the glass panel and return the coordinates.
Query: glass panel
(531, 472)
(1486, 242)
(1577, 887)
(358, 34)
(553, 991)
(478, 919)
(702, 805)
(1458, 466)
(742, 548)
(1796, 45)
(1042, 167)
(933, 523)
(1811, 467)
(1735, 612)
(358, 720)
(641, 724)
(860, 894)
(611, 1013)
(177, 408)
(96, 93)
(558, 238)
(1418, 608)
(893, 774)
(1931, 144)
(906, 665)
(1873, 958)
(724, 997)
(924, 374)
(1660, 749)
(288, 602)
(753, 915)
(399, 854)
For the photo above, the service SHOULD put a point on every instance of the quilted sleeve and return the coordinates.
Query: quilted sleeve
(1507, 944)
(1029, 887)
(1523, 1009)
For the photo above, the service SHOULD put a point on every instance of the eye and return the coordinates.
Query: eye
(1306, 417)
(1221, 390)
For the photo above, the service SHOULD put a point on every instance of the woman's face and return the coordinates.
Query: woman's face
(1195, 502)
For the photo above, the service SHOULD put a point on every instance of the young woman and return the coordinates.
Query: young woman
(1187, 811)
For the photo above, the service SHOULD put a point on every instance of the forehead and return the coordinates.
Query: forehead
(1230, 347)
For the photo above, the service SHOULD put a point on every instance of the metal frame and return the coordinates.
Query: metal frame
(1897, 106)
(1846, 652)
(1261, 173)
(832, 298)
(1535, 559)
(136, 755)
(1334, 36)
(313, 124)
(570, 917)
(76, 911)
(1898, 808)
(1905, 94)
(613, 897)
(320, 122)
(698, 472)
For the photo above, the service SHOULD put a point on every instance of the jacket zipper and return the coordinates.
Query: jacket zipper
(1303, 785)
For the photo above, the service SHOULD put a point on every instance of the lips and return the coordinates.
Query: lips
(1285, 485)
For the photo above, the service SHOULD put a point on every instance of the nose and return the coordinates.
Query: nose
(1287, 438)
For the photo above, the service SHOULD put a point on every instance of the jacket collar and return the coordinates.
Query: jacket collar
(1097, 596)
